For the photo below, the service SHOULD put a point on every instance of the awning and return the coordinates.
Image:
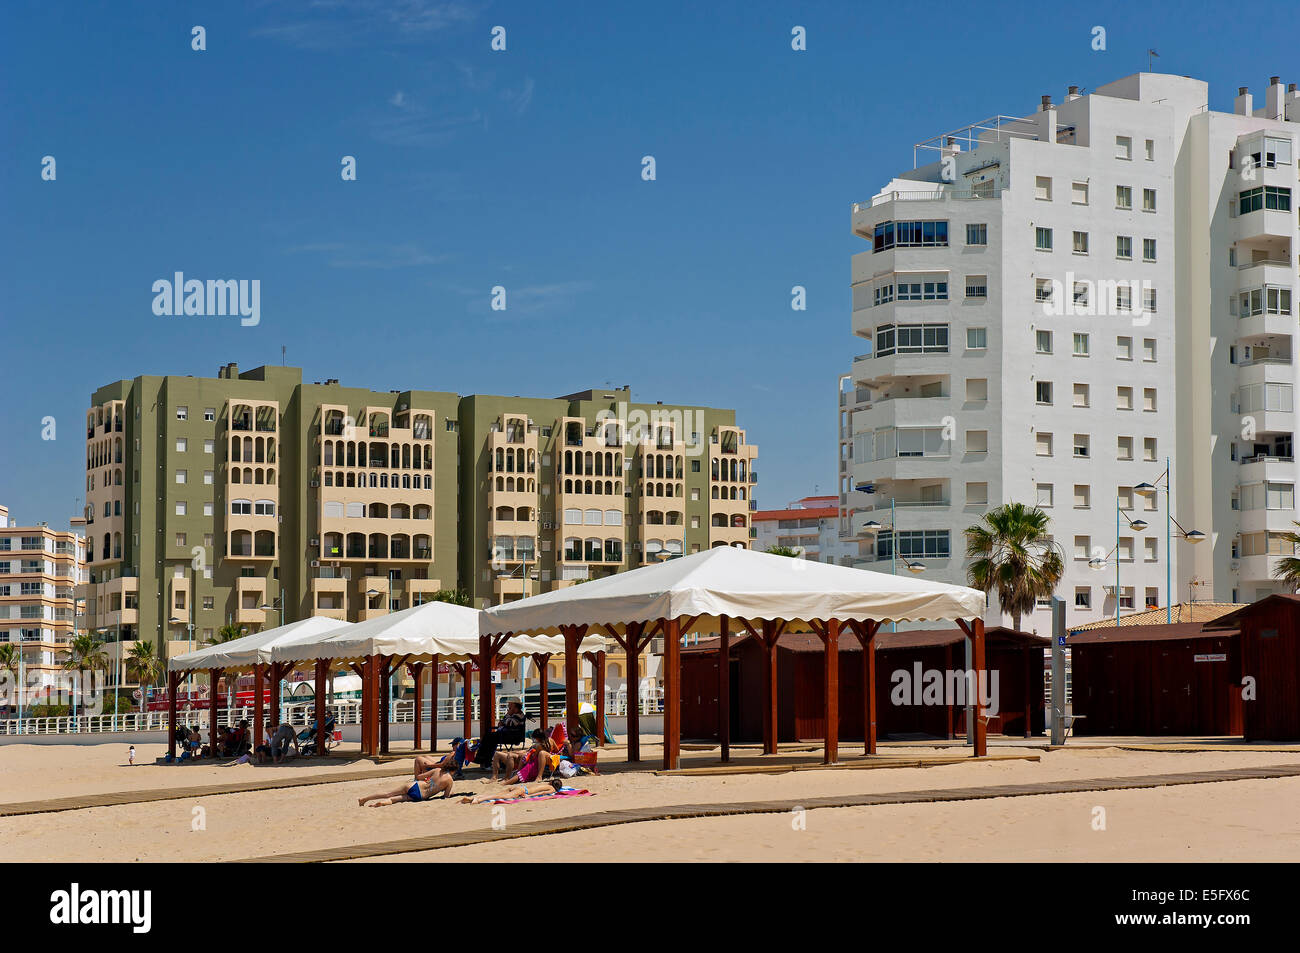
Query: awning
(244, 653)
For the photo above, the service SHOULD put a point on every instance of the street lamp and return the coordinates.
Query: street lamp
(189, 630)
(277, 604)
(1098, 563)
(912, 566)
(1148, 490)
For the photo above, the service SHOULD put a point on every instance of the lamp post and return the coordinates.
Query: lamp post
(912, 566)
(277, 604)
(189, 630)
(1099, 562)
(1192, 536)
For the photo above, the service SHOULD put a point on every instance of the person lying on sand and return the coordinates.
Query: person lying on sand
(438, 784)
(518, 791)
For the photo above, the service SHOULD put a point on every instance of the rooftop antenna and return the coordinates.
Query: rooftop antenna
(282, 349)
(1151, 54)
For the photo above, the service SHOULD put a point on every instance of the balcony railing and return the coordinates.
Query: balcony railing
(935, 196)
(1261, 457)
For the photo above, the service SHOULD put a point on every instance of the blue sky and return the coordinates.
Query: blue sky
(519, 168)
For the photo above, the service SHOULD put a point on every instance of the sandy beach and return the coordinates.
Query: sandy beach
(1239, 820)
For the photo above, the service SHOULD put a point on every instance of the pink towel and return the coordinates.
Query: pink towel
(563, 792)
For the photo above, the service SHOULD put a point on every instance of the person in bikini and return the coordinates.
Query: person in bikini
(437, 782)
(517, 791)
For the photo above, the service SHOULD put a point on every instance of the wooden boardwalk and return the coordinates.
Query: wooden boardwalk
(580, 822)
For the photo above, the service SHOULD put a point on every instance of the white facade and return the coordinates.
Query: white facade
(1019, 295)
(810, 525)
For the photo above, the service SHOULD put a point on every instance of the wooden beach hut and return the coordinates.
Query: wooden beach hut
(1269, 651)
(731, 591)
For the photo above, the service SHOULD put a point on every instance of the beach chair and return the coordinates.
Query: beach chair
(307, 737)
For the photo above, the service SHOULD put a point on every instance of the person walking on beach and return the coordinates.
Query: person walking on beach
(130, 755)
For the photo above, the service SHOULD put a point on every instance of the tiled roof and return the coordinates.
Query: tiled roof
(1183, 612)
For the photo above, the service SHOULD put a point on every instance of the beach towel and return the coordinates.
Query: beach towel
(563, 792)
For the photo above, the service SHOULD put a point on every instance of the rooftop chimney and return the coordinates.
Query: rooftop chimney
(1073, 94)
(1273, 99)
(1047, 121)
(1244, 104)
(1047, 103)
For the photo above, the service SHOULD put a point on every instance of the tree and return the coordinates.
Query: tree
(784, 551)
(85, 654)
(9, 656)
(1288, 568)
(457, 597)
(1012, 552)
(228, 633)
(144, 666)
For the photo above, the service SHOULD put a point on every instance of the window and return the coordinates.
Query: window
(264, 508)
(1123, 348)
(977, 388)
(1081, 294)
(977, 286)
(1151, 600)
(1082, 597)
(207, 509)
(1044, 494)
(182, 413)
(1149, 299)
(915, 544)
(207, 477)
(1149, 449)
(1043, 188)
(1123, 299)
(977, 234)
(1043, 239)
(1149, 399)
(1123, 147)
(934, 290)
(1148, 249)
(1123, 196)
(977, 494)
(1043, 290)
(1043, 392)
(242, 507)
(1148, 200)
(1080, 395)
(1124, 247)
(182, 476)
(1082, 496)
(1043, 444)
(1123, 398)
(977, 441)
(180, 508)
(1080, 344)
(208, 603)
(1043, 342)
(1149, 550)
(1124, 448)
(1271, 197)
(209, 413)
(182, 444)
(1082, 547)
(1151, 150)
(209, 446)
(1081, 446)
(910, 235)
(1081, 243)
(1149, 349)
(1079, 193)
(977, 339)
(1126, 593)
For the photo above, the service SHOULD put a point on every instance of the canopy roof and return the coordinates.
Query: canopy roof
(435, 628)
(741, 584)
(253, 649)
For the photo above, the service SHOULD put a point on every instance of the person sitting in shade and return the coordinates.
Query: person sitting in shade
(510, 726)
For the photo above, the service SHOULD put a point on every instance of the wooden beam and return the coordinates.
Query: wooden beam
(173, 685)
(600, 698)
(275, 694)
(484, 686)
(417, 674)
(259, 726)
(948, 705)
(831, 678)
(866, 633)
(466, 698)
(1029, 686)
(672, 695)
(612, 632)
(322, 673)
(750, 629)
(433, 705)
(770, 684)
(981, 726)
(724, 687)
(542, 662)
(385, 700)
(572, 640)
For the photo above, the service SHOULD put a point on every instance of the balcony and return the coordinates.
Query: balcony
(1266, 224)
(1266, 468)
(1257, 568)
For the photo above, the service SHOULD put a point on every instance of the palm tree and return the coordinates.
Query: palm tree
(85, 655)
(1013, 553)
(145, 667)
(457, 597)
(9, 658)
(783, 551)
(228, 633)
(1288, 569)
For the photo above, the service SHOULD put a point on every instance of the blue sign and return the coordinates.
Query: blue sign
(1060, 640)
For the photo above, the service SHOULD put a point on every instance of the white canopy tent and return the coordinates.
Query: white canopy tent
(713, 589)
(250, 650)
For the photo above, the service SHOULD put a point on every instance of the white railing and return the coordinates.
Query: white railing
(937, 195)
(302, 713)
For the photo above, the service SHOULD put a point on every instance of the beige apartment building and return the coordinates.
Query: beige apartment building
(254, 496)
(40, 569)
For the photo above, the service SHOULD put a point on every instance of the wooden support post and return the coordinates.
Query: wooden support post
(770, 681)
(417, 672)
(831, 678)
(672, 694)
(572, 640)
(214, 680)
(385, 700)
(433, 705)
(467, 699)
(372, 689)
(947, 667)
(633, 650)
(724, 687)
(322, 673)
(981, 726)
(869, 675)
(173, 685)
(542, 661)
(276, 675)
(259, 726)
(600, 698)
(1029, 686)
(485, 723)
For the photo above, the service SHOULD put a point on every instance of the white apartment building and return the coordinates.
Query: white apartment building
(810, 525)
(1053, 305)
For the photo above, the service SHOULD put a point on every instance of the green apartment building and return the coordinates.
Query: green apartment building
(233, 499)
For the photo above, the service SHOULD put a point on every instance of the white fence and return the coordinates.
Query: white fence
(302, 713)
